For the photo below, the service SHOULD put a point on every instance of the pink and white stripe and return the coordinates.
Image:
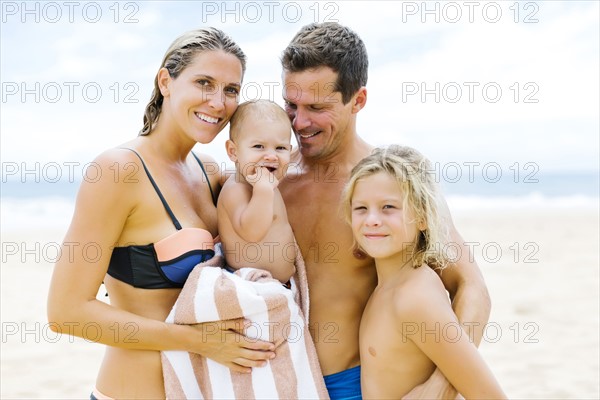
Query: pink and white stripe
(214, 294)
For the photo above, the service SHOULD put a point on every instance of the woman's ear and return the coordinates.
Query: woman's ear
(422, 225)
(231, 149)
(163, 79)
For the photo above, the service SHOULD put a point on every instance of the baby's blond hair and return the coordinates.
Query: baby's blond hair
(263, 109)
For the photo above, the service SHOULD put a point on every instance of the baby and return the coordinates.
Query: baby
(253, 223)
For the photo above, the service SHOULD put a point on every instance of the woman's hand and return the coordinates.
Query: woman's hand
(224, 342)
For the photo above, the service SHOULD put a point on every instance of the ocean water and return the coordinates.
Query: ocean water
(44, 204)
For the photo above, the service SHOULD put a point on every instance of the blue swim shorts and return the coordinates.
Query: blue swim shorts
(344, 385)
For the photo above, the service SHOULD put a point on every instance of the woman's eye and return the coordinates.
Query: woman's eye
(233, 91)
(206, 85)
(388, 206)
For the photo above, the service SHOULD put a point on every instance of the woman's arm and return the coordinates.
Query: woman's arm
(101, 211)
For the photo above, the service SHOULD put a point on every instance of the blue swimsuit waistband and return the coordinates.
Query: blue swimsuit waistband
(344, 385)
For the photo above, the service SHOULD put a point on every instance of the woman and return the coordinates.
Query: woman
(151, 217)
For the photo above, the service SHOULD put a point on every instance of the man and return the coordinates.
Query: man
(325, 73)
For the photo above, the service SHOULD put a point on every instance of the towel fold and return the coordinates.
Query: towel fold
(277, 314)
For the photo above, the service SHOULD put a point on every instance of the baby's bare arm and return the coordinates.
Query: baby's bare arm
(250, 208)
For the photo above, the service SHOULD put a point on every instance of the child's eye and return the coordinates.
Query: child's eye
(282, 148)
(358, 208)
(388, 206)
(258, 146)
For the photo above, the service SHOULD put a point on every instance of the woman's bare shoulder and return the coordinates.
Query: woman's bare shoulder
(120, 154)
(210, 164)
(109, 177)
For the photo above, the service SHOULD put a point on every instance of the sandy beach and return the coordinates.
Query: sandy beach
(541, 266)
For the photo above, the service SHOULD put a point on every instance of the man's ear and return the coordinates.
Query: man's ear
(231, 149)
(359, 100)
(163, 79)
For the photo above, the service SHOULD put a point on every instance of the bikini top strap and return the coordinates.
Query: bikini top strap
(162, 198)
(212, 194)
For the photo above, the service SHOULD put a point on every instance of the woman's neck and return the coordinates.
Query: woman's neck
(168, 142)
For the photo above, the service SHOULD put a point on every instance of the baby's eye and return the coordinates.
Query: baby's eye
(281, 148)
(258, 146)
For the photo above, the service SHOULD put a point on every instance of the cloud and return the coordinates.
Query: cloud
(554, 61)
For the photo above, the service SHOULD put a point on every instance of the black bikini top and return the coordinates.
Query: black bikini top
(168, 262)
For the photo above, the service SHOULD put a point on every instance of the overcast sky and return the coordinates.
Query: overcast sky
(505, 82)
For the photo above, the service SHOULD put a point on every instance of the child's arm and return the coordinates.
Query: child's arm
(450, 347)
(470, 301)
(252, 215)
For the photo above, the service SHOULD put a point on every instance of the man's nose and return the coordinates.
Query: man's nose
(300, 120)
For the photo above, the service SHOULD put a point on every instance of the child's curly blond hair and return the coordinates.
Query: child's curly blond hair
(416, 180)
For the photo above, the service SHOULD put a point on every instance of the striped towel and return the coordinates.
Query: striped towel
(277, 314)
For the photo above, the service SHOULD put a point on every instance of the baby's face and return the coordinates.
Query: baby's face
(263, 143)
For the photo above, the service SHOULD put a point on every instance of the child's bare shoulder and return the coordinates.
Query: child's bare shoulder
(422, 290)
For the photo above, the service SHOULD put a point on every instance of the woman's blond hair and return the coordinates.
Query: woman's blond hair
(179, 55)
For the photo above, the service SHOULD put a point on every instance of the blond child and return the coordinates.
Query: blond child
(408, 326)
(252, 218)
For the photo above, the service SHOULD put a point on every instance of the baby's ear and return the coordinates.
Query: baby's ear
(231, 150)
